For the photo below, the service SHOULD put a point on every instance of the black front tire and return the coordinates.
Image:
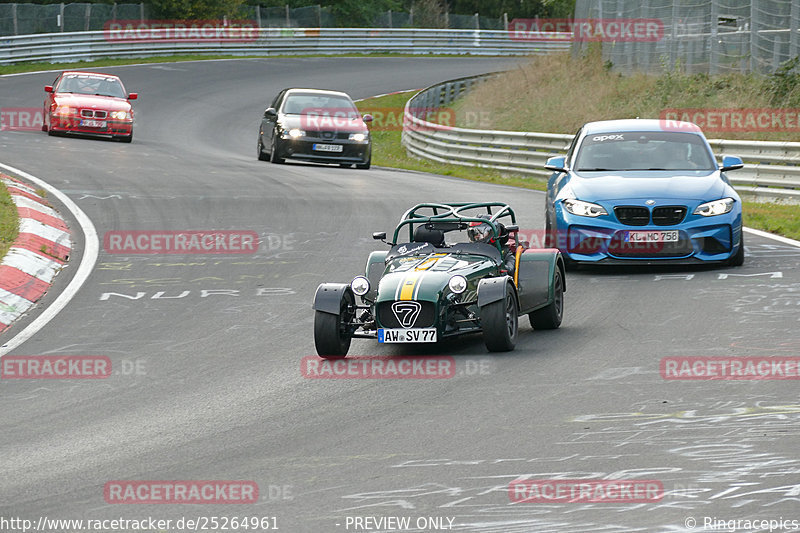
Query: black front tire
(262, 155)
(500, 323)
(550, 317)
(126, 138)
(273, 155)
(328, 336)
(738, 259)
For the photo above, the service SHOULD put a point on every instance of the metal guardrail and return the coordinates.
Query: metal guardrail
(771, 171)
(91, 45)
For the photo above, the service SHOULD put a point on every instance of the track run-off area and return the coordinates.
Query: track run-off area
(206, 350)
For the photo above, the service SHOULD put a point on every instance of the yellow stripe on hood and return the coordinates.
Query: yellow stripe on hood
(407, 290)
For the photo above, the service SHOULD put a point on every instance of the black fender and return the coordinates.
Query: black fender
(328, 298)
(491, 290)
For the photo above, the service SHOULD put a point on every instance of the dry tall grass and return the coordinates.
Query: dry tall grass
(558, 93)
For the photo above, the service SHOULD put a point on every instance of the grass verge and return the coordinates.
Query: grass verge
(9, 221)
(781, 219)
(388, 151)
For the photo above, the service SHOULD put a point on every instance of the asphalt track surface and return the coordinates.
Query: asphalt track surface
(217, 392)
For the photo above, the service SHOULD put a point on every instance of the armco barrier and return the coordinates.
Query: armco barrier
(771, 172)
(90, 45)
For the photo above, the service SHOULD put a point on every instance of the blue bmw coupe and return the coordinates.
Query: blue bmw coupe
(643, 192)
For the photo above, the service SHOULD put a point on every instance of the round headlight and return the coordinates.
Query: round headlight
(295, 133)
(457, 284)
(358, 137)
(360, 285)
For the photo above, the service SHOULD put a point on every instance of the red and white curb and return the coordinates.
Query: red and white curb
(41, 250)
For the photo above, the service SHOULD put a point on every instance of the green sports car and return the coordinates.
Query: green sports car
(451, 269)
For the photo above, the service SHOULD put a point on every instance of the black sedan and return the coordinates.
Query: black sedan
(315, 125)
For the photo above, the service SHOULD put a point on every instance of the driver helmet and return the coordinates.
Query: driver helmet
(482, 231)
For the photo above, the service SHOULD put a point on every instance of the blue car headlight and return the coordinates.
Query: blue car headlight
(584, 209)
(717, 207)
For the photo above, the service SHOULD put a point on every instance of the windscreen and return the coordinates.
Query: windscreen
(91, 84)
(319, 104)
(643, 150)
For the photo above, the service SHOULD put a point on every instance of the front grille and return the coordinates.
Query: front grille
(669, 215)
(93, 113)
(425, 319)
(327, 135)
(633, 216)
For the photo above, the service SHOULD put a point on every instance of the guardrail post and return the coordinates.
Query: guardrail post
(713, 60)
(14, 16)
(141, 12)
(88, 16)
(753, 34)
(794, 15)
(61, 17)
(288, 23)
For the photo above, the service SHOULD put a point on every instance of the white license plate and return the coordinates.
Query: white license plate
(93, 123)
(652, 236)
(328, 147)
(391, 336)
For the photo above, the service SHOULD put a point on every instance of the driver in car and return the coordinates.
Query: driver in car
(482, 232)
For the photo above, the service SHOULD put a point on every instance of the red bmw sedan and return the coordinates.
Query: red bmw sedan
(88, 103)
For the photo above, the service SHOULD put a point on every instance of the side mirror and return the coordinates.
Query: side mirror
(133, 96)
(731, 162)
(270, 113)
(556, 164)
(367, 118)
(379, 236)
(48, 88)
(512, 228)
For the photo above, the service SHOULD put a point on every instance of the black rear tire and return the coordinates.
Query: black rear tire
(500, 323)
(550, 317)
